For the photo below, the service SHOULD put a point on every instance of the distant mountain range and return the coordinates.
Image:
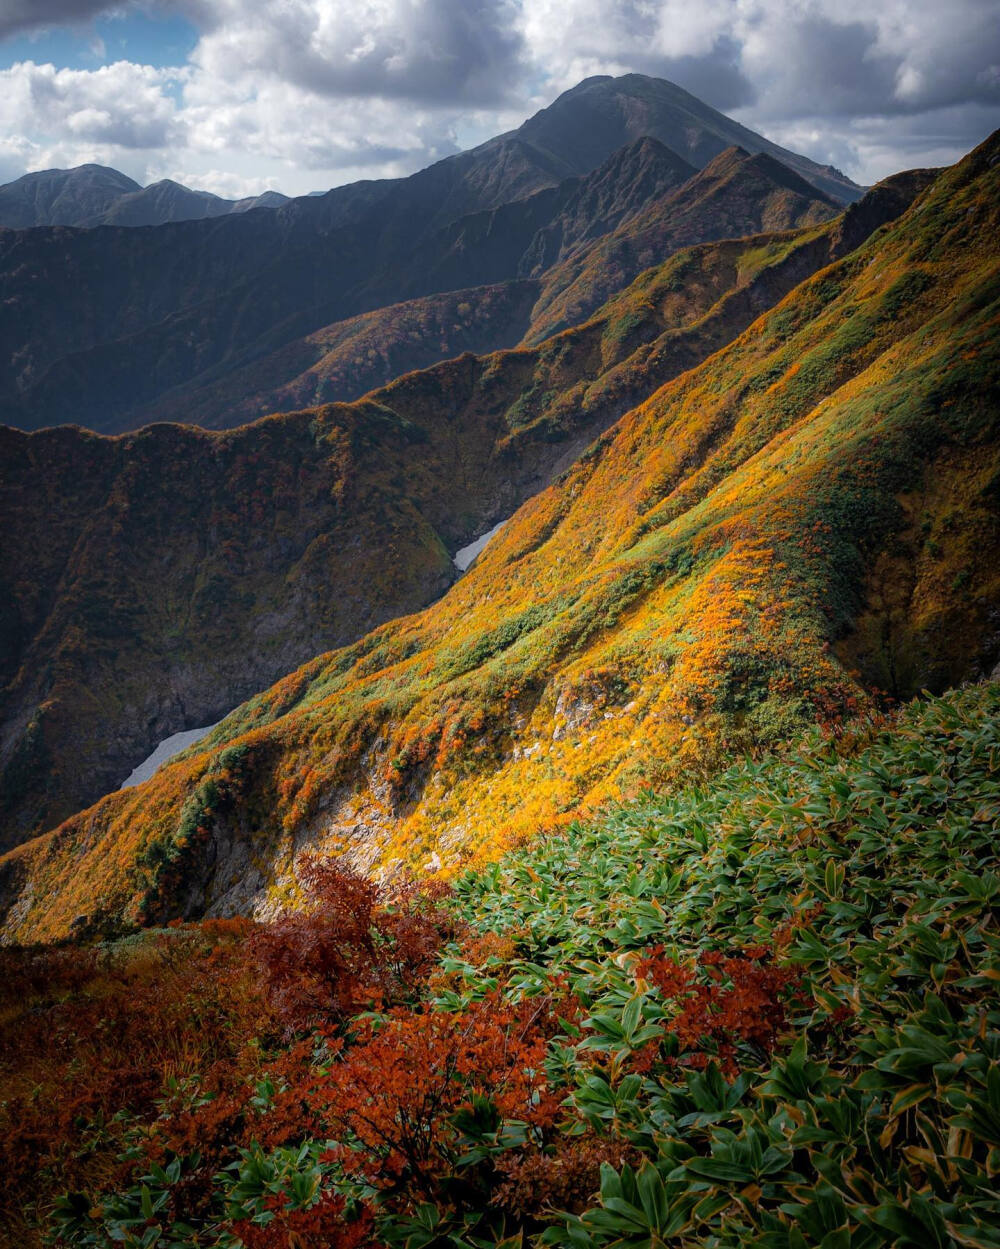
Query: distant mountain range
(569, 138)
(147, 324)
(567, 251)
(94, 195)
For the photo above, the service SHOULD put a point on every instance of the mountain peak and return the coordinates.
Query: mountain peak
(736, 162)
(584, 85)
(62, 196)
(644, 151)
(602, 114)
(779, 172)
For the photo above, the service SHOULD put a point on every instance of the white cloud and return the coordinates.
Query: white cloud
(427, 50)
(17, 154)
(117, 106)
(306, 93)
(219, 182)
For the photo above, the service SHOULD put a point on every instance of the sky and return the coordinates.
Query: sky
(242, 96)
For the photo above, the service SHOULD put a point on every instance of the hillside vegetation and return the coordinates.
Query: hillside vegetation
(153, 582)
(758, 1013)
(807, 515)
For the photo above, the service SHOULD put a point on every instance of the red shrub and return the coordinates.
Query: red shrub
(734, 1001)
(351, 951)
(567, 1176)
(396, 1092)
(322, 1226)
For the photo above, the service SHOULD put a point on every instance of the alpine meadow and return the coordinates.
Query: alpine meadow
(574, 569)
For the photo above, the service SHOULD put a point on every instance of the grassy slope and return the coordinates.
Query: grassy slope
(684, 588)
(92, 632)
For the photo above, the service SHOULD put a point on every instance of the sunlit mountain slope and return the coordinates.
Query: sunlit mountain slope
(807, 515)
(152, 582)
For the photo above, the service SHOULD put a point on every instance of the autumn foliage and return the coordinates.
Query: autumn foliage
(691, 1013)
(349, 952)
(723, 1002)
(795, 530)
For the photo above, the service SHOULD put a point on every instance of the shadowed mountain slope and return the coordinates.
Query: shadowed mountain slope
(601, 114)
(137, 314)
(157, 579)
(165, 201)
(734, 195)
(806, 515)
(644, 192)
(93, 195)
(62, 197)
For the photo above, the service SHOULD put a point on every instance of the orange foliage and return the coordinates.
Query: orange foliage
(736, 1000)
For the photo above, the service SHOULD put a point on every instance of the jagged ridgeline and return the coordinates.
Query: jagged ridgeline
(807, 515)
(572, 250)
(197, 319)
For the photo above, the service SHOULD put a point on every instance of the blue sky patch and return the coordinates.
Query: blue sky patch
(157, 41)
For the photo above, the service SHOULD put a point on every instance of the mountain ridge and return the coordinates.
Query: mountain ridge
(757, 544)
(158, 308)
(489, 431)
(367, 351)
(218, 337)
(87, 196)
(509, 166)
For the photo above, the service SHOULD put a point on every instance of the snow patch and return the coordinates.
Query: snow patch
(169, 747)
(464, 557)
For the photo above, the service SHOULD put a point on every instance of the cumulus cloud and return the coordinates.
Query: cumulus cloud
(880, 146)
(120, 105)
(793, 57)
(832, 78)
(449, 51)
(691, 44)
(311, 92)
(219, 182)
(285, 122)
(16, 155)
(855, 58)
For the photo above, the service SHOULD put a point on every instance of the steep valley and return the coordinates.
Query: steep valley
(799, 518)
(182, 571)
